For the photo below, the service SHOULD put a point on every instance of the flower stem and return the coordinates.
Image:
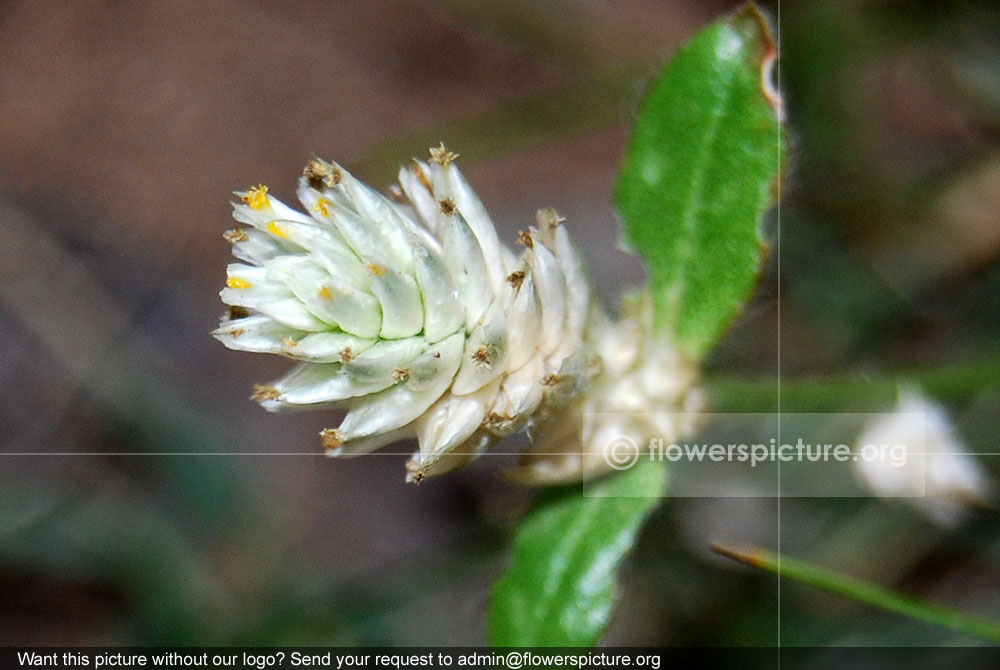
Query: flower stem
(949, 382)
(861, 591)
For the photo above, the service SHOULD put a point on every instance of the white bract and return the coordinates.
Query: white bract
(410, 313)
(639, 388)
(407, 311)
(939, 477)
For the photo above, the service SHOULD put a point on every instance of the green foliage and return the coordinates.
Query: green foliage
(559, 590)
(702, 166)
(701, 169)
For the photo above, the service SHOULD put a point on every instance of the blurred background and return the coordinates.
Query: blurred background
(127, 125)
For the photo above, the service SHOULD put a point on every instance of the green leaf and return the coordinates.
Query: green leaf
(559, 589)
(702, 166)
(870, 594)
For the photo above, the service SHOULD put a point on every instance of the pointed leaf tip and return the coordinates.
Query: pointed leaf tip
(702, 167)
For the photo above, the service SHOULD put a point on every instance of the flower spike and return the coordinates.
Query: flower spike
(407, 311)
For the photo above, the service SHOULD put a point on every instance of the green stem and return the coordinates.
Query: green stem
(858, 391)
(856, 589)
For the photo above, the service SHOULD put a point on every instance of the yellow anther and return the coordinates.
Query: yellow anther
(277, 230)
(289, 343)
(314, 173)
(261, 393)
(331, 437)
(448, 206)
(256, 197)
(324, 292)
(318, 174)
(481, 355)
(236, 282)
(443, 156)
(322, 206)
(376, 269)
(236, 235)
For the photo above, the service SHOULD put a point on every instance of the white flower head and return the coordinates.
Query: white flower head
(639, 387)
(409, 311)
(940, 478)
